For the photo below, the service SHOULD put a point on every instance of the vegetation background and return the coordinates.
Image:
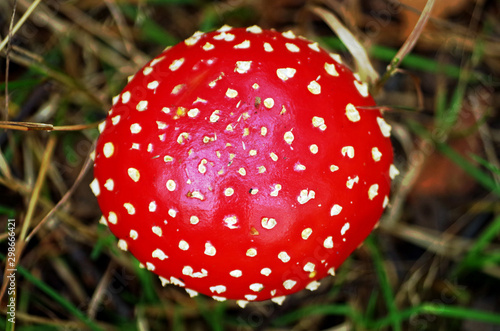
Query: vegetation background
(432, 264)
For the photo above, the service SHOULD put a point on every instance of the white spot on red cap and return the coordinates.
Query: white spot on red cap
(194, 38)
(171, 185)
(351, 181)
(314, 87)
(284, 257)
(228, 191)
(129, 207)
(231, 221)
(177, 88)
(345, 228)
(268, 47)
(218, 289)
(183, 245)
(286, 73)
(153, 85)
(336, 209)
(172, 212)
(209, 249)
(243, 45)
(269, 103)
(333, 168)
(289, 34)
(193, 112)
(393, 171)
(385, 202)
(135, 128)
(126, 97)
(133, 235)
(328, 243)
(278, 300)
(330, 69)
(309, 267)
(336, 57)
(256, 287)
(306, 233)
(176, 64)
(305, 196)
(276, 189)
(230, 93)
(314, 46)
(314, 148)
(376, 154)
(115, 120)
(289, 284)
(181, 139)
(265, 271)
(94, 186)
(224, 36)
(159, 254)
(251, 252)
(268, 223)
(110, 184)
(292, 47)
(319, 122)
(242, 67)
(208, 46)
(112, 218)
(236, 273)
(288, 136)
(254, 29)
(134, 174)
(373, 191)
(194, 219)
(142, 105)
(313, 286)
(384, 127)
(147, 71)
(157, 230)
(299, 167)
(152, 206)
(122, 244)
(108, 149)
(362, 88)
(348, 151)
(352, 113)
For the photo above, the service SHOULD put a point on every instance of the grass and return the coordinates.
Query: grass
(432, 262)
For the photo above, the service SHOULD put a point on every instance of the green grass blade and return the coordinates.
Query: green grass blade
(480, 176)
(387, 293)
(455, 312)
(489, 234)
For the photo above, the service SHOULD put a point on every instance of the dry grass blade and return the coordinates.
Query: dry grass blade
(20, 23)
(32, 204)
(64, 199)
(30, 126)
(363, 64)
(408, 45)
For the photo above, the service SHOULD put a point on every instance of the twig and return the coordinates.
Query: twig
(30, 126)
(408, 45)
(20, 23)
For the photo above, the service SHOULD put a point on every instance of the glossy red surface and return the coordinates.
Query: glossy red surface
(236, 179)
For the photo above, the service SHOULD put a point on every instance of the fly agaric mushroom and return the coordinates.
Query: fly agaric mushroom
(244, 164)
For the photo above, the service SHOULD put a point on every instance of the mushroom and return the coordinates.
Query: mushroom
(243, 164)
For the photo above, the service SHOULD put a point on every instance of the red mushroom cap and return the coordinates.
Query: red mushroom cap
(243, 164)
